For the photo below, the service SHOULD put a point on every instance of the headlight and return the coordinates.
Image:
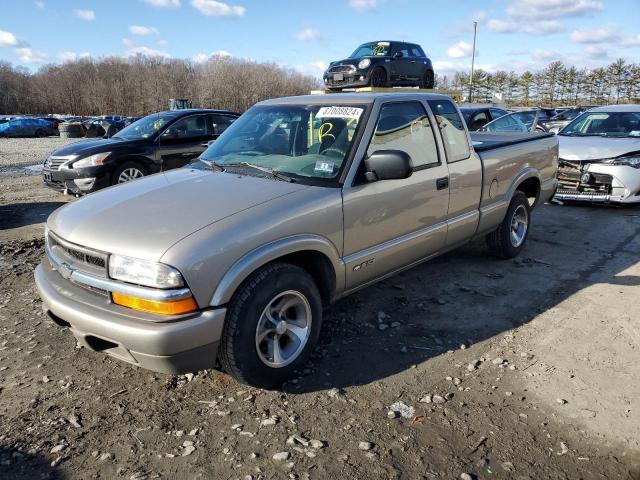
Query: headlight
(144, 272)
(364, 64)
(632, 161)
(92, 161)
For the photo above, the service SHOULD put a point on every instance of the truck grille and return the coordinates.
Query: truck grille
(78, 258)
(342, 69)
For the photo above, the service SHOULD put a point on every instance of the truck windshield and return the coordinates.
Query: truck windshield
(145, 127)
(605, 124)
(374, 49)
(297, 140)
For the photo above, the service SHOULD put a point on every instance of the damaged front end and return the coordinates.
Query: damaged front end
(610, 180)
(577, 182)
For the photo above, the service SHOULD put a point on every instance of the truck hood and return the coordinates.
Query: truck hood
(142, 219)
(596, 148)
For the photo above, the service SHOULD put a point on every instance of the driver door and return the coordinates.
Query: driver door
(183, 141)
(401, 68)
(391, 224)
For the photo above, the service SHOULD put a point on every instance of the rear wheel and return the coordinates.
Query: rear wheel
(272, 326)
(126, 172)
(508, 240)
(378, 77)
(428, 80)
(40, 133)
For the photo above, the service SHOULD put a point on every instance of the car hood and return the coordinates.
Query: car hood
(142, 219)
(596, 148)
(354, 61)
(87, 147)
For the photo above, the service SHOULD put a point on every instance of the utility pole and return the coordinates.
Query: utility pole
(473, 59)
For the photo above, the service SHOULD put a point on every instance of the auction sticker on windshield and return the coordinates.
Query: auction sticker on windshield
(352, 113)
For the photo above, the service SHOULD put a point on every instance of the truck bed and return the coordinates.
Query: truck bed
(483, 141)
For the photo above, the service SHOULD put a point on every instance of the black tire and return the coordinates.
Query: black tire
(239, 350)
(115, 177)
(40, 133)
(71, 130)
(378, 78)
(501, 242)
(428, 80)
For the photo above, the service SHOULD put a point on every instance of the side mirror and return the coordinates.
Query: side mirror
(387, 165)
(397, 55)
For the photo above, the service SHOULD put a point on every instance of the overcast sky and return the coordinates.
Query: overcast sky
(306, 35)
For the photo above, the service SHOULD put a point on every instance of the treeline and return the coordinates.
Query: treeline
(141, 85)
(557, 84)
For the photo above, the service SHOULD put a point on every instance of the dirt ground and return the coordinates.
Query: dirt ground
(523, 369)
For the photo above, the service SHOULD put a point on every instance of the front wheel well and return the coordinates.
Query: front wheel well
(318, 266)
(531, 188)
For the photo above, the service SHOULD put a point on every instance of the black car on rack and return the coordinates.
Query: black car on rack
(158, 142)
(382, 64)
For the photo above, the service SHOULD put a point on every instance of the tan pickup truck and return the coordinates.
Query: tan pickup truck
(301, 201)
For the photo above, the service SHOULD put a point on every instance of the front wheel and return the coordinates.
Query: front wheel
(378, 77)
(508, 240)
(272, 326)
(126, 172)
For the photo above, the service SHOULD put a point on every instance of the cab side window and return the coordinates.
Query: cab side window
(406, 127)
(451, 126)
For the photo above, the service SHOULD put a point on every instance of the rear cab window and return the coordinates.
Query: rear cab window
(451, 126)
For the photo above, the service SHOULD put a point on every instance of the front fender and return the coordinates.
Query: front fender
(269, 252)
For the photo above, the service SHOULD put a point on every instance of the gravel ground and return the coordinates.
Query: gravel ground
(465, 367)
(17, 153)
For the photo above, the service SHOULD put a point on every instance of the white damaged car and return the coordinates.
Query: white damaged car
(600, 156)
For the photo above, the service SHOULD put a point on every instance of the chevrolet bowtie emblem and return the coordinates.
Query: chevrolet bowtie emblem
(65, 270)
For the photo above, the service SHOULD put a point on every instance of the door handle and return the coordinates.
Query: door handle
(442, 183)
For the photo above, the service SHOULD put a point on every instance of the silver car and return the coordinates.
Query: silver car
(600, 156)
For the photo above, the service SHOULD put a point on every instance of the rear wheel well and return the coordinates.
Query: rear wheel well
(531, 188)
(318, 266)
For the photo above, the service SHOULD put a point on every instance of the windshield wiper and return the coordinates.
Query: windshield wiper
(273, 173)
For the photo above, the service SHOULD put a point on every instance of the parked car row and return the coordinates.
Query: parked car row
(28, 127)
(484, 117)
(159, 142)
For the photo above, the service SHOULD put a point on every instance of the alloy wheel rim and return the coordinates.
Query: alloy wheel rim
(519, 226)
(129, 174)
(283, 329)
(378, 78)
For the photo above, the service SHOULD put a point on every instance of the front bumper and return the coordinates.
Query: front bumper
(178, 345)
(79, 181)
(359, 78)
(608, 184)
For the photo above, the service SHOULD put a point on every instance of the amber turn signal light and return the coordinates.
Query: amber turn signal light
(174, 307)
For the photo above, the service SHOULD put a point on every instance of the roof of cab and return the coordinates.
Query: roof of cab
(617, 108)
(351, 98)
